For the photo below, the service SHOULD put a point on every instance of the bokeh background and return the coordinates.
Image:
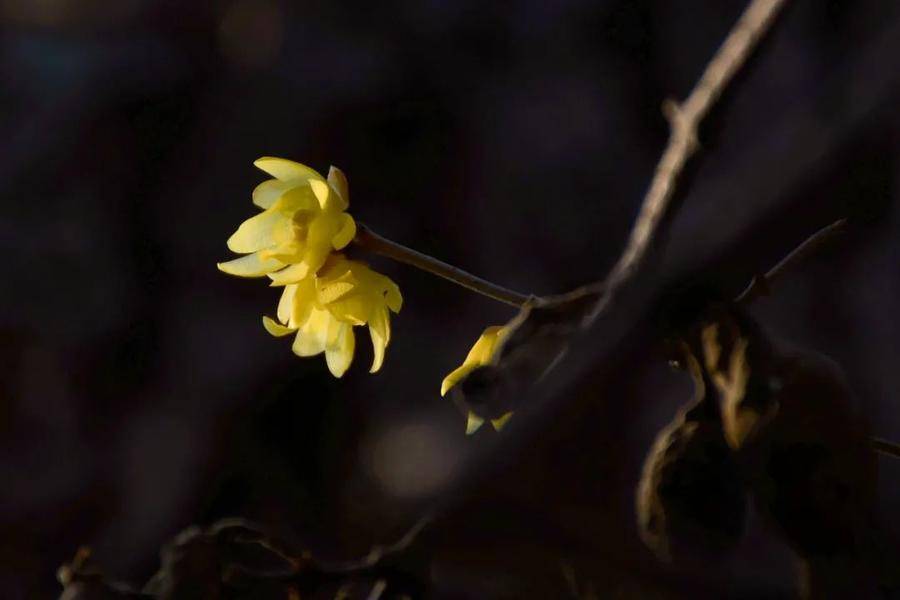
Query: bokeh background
(139, 393)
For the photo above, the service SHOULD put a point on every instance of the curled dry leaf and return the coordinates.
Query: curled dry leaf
(802, 448)
(691, 500)
(790, 418)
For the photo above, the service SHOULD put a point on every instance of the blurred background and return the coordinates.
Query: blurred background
(139, 393)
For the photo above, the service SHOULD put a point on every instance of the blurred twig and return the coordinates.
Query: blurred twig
(760, 285)
(684, 119)
(378, 552)
(885, 447)
(543, 330)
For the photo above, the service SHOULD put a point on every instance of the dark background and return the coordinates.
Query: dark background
(139, 393)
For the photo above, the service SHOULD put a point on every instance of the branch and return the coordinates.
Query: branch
(542, 330)
(684, 120)
(760, 285)
(589, 301)
(885, 447)
(372, 242)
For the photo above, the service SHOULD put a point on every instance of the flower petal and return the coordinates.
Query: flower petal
(339, 351)
(256, 233)
(318, 241)
(285, 170)
(304, 302)
(251, 265)
(298, 196)
(378, 330)
(473, 423)
(346, 233)
(269, 191)
(483, 350)
(499, 422)
(455, 376)
(354, 308)
(290, 274)
(338, 182)
(289, 253)
(321, 190)
(313, 334)
(275, 328)
(286, 303)
(331, 291)
(393, 297)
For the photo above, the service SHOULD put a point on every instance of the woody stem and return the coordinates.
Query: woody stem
(372, 242)
(885, 447)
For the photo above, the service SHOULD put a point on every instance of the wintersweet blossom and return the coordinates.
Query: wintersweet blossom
(303, 220)
(481, 354)
(323, 309)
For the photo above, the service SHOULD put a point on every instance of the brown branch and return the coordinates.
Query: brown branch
(885, 447)
(543, 331)
(583, 305)
(684, 119)
(760, 285)
(372, 242)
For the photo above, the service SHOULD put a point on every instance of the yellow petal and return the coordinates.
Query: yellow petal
(250, 266)
(378, 330)
(321, 190)
(269, 191)
(291, 252)
(275, 328)
(299, 196)
(313, 334)
(346, 233)
(501, 421)
(285, 170)
(473, 423)
(256, 233)
(338, 182)
(354, 308)
(483, 351)
(331, 291)
(286, 303)
(455, 376)
(290, 274)
(304, 302)
(481, 354)
(392, 296)
(339, 352)
(318, 241)
(386, 319)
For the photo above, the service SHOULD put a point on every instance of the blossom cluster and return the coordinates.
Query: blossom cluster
(295, 241)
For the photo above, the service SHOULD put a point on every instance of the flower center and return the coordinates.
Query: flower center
(300, 225)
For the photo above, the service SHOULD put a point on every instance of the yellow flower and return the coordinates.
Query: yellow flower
(323, 309)
(302, 221)
(481, 354)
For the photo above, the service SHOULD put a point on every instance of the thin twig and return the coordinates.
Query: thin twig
(377, 553)
(684, 119)
(371, 241)
(885, 447)
(760, 285)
